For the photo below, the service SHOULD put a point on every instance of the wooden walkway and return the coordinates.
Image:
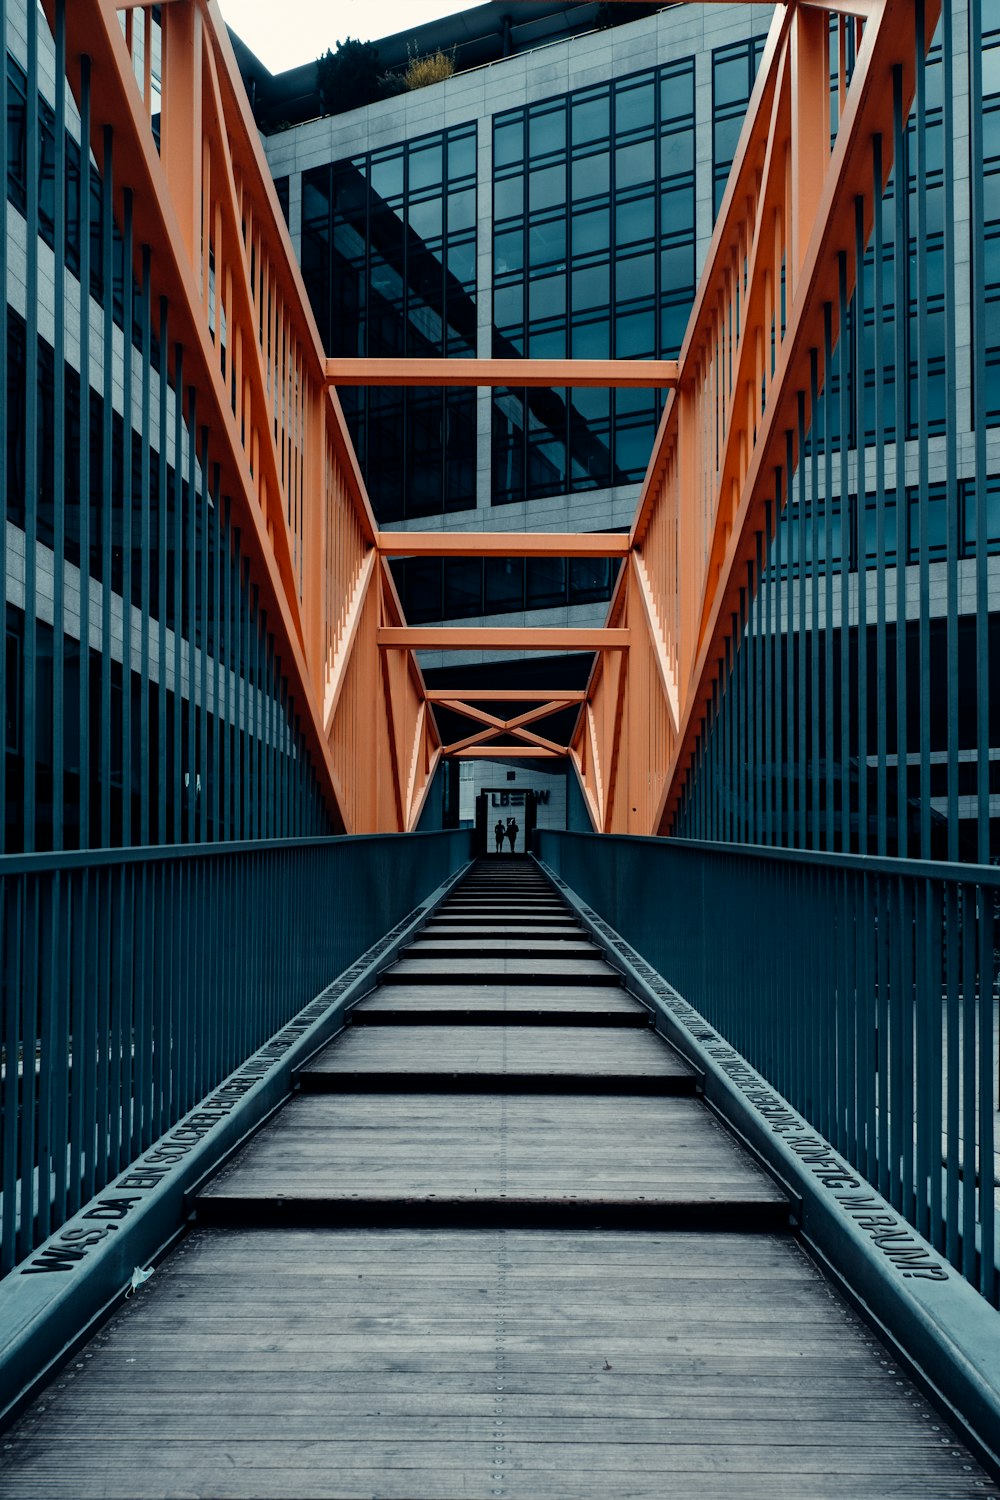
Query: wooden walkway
(495, 1246)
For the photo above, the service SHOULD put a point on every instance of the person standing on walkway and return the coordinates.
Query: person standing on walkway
(498, 834)
(512, 832)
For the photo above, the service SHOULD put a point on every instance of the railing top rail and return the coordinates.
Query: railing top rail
(48, 861)
(856, 864)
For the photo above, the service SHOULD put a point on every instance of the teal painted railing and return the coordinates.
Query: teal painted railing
(863, 989)
(134, 981)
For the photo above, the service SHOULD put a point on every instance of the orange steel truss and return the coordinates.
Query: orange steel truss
(254, 369)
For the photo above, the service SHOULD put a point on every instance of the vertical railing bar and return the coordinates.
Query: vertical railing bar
(898, 1000)
(953, 894)
(935, 1061)
(924, 1080)
(11, 909)
(988, 1278)
(972, 917)
(64, 1062)
(29, 1084)
(48, 1042)
(884, 1038)
(104, 889)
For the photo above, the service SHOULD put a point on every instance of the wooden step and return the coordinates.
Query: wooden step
(501, 1159)
(509, 1057)
(499, 1004)
(537, 970)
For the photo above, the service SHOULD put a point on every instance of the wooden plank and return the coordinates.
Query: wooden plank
(407, 1364)
(473, 1050)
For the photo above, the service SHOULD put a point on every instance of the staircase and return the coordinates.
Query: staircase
(494, 1246)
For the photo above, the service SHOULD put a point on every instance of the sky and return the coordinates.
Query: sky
(298, 31)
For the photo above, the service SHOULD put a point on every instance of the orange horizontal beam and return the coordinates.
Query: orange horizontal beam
(508, 752)
(499, 638)
(503, 544)
(505, 695)
(611, 373)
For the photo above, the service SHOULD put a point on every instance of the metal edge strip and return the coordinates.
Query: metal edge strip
(937, 1324)
(54, 1299)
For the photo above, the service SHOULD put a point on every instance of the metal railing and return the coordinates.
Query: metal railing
(135, 981)
(863, 989)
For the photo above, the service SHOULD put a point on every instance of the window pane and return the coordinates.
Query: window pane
(462, 156)
(677, 268)
(545, 581)
(508, 143)
(547, 242)
(677, 95)
(387, 175)
(547, 297)
(634, 107)
(508, 305)
(508, 197)
(425, 166)
(504, 584)
(463, 587)
(547, 131)
(461, 210)
(591, 287)
(634, 164)
(547, 188)
(634, 277)
(634, 221)
(731, 80)
(591, 340)
(508, 252)
(591, 119)
(591, 175)
(591, 231)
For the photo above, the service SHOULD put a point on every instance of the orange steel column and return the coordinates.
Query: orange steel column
(181, 117)
(810, 143)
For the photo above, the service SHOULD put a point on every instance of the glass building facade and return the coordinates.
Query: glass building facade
(146, 701)
(593, 258)
(389, 261)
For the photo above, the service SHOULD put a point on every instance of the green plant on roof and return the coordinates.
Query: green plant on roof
(434, 68)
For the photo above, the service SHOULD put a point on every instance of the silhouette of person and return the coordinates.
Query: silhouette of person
(512, 832)
(498, 834)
